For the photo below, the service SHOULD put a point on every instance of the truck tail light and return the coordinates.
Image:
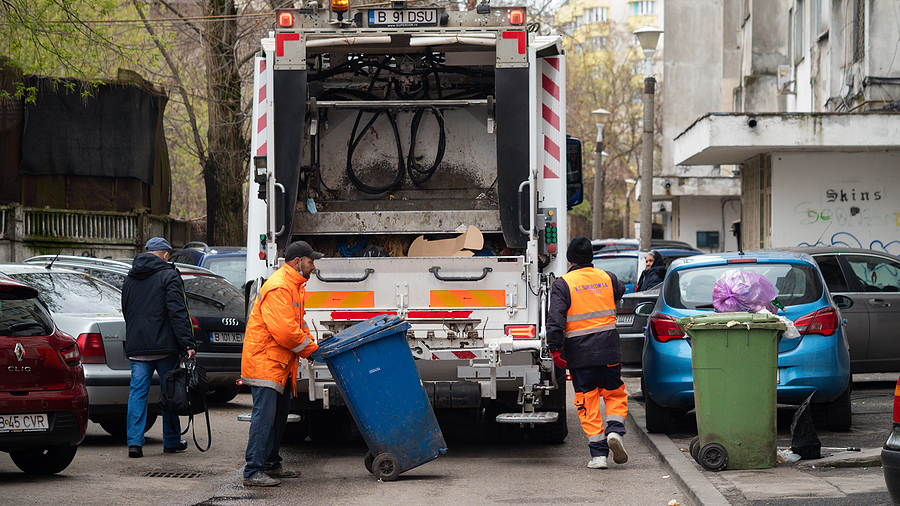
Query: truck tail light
(92, 350)
(664, 328)
(823, 321)
(517, 17)
(340, 5)
(520, 331)
(285, 19)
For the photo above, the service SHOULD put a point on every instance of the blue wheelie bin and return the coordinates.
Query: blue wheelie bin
(376, 374)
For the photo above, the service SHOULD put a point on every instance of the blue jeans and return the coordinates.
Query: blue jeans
(141, 376)
(267, 422)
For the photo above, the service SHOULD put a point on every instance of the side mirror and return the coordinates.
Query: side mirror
(574, 185)
(644, 308)
(842, 301)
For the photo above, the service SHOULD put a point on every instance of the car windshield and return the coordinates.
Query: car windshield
(693, 288)
(211, 296)
(23, 317)
(234, 269)
(624, 267)
(66, 292)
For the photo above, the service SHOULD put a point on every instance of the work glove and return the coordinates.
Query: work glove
(558, 360)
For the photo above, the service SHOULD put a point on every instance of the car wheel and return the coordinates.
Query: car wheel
(657, 417)
(838, 413)
(44, 460)
(117, 426)
(221, 395)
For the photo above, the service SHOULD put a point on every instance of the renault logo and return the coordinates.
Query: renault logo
(19, 351)
(230, 321)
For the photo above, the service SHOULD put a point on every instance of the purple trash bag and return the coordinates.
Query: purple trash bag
(738, 291)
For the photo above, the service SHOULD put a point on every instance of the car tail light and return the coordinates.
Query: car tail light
(520, 331)
(664, 328)
(823, 321)
(91, 347)
(897, 402)
(71, 355)
(195, 324)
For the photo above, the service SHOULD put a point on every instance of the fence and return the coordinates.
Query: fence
(25, 232)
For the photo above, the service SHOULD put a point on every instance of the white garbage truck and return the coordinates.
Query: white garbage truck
(423, 150)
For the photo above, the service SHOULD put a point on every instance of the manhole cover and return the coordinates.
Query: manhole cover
(172, 474)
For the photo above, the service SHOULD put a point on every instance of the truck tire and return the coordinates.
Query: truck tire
(556, 432)
(501, 432)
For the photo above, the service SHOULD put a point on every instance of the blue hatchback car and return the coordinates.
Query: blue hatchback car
(817, 362)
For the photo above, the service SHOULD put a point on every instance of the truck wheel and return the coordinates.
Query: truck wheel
(657, 417)
(501, 432)
(386, 467)
(713, 457)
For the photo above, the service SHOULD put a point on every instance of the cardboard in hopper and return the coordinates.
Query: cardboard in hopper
(463, 246)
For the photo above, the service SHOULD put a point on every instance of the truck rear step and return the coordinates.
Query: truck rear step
(533, 417)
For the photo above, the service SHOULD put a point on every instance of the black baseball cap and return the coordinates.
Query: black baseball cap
(300, 249)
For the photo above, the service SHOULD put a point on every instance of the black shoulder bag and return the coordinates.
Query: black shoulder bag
(182, 392)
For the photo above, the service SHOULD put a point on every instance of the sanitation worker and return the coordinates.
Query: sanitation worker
(276, 336)
(582, 337)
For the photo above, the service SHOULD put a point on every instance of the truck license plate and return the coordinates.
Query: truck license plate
(226, 337)
(24, 423)
(388, 18)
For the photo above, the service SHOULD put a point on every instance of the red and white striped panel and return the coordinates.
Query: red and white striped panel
(551, 79)
(260, 101)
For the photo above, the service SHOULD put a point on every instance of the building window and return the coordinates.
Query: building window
(642, 7)
(596, 14)
(598, 43)
(708, 239)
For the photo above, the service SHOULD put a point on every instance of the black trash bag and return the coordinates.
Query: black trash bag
(804, 440)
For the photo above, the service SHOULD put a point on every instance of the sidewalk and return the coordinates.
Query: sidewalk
(758, 484)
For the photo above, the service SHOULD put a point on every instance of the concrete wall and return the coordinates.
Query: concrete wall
(823, 198)
(708, 214)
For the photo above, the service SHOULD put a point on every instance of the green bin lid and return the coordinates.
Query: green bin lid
(723, 321)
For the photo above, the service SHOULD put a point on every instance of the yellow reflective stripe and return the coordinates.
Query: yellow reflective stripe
(468, 298)
(339, 299)
(584, 332)
(590, 316)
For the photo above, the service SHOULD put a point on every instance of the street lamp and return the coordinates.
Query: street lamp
(600, 117)
(648, 37)
(629, 185)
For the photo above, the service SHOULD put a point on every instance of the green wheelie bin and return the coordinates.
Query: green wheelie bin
(734, 358)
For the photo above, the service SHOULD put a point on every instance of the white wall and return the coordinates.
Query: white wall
(706, 214)
(846, 199)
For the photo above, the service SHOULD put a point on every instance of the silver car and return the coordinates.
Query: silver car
(91, 311)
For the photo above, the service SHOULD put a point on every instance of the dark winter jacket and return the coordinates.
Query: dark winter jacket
(652, 276)
(156, 315)
(590, 350)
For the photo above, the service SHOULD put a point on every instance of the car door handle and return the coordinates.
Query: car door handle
(879, 303)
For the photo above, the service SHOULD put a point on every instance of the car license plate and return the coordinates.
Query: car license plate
(624, 319)
(226, 337)
(24, 423)
(400, 18)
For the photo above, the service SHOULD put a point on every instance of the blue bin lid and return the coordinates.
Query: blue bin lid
(363, 332)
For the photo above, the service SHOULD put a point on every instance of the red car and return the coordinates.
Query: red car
(43, 399)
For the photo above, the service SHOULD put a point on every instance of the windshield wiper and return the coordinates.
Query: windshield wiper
(206, 299)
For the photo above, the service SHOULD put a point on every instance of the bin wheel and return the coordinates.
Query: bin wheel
(713, 457)
(368, 461)
(386, 467)
(695, 448)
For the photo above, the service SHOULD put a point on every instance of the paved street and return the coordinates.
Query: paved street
(473, 472)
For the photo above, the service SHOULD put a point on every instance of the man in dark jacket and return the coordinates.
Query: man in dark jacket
(581, 335)
(157, 329)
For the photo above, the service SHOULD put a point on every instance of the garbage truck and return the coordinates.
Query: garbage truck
(423, 151)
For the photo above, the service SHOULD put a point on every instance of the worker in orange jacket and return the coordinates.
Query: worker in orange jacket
(276, 336)
(581, 336)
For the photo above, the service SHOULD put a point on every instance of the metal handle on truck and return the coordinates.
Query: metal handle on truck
(343, 280)
(434, 270)
(281, 187)
(519, 210)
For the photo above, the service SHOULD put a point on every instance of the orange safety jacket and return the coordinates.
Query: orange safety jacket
(276, 333)
(593, 306)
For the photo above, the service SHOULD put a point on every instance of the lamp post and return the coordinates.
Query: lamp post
(600, 117)
(629, 185)
(648, 37)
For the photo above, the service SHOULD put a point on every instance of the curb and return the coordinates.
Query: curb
(691, 482)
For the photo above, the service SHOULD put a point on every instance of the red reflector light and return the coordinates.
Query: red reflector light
(823, 321)
(664, 328)
(516, 17)
(520, 331)
(340, 5)
(92, 351)
(742, 261)
(71, 355)
(195, 324)
(568, 377)
(262, 255)
(897, 402)
(285, 19)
